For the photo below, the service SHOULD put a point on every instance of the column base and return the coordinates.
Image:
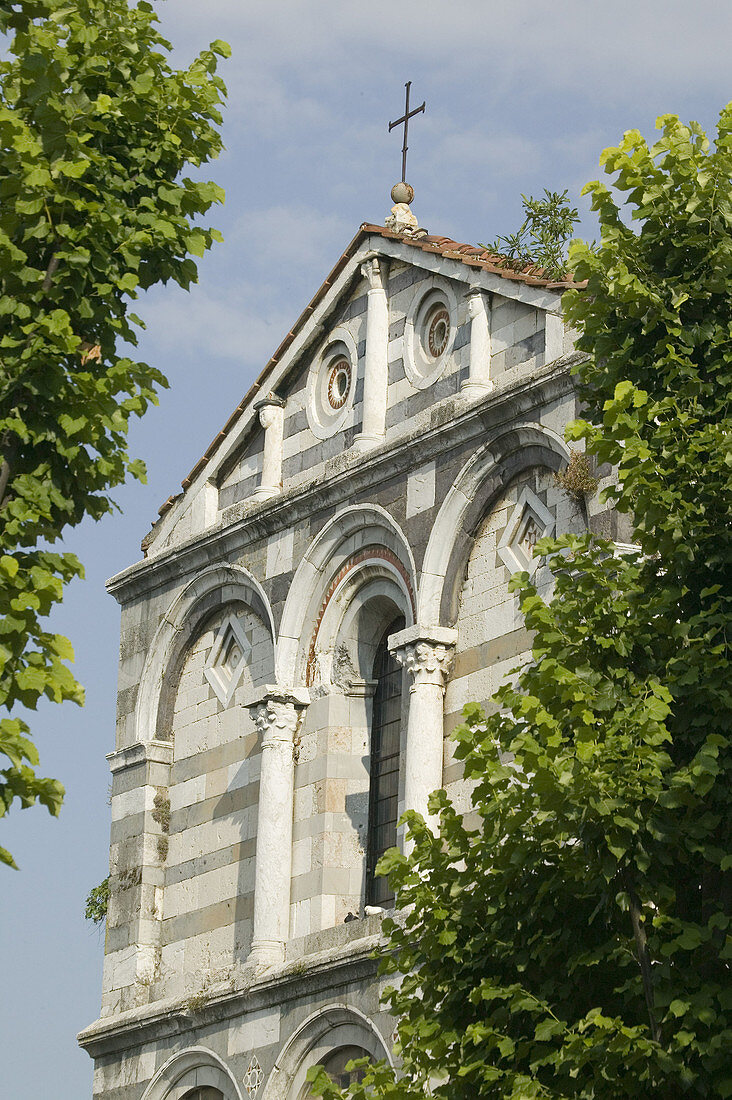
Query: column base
(473, 391)
(265, 493)
(365, 441)
(264, 953)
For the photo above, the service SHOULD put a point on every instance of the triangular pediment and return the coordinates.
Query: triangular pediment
(316, 376)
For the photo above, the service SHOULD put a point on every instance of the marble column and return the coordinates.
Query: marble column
(376, 370)
(272, 418)
(277, 714)
(478, 381)
(427, 655)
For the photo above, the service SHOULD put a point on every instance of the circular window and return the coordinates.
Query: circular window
(331, 384)
(437, 328)
(429, 334)
(339, 383)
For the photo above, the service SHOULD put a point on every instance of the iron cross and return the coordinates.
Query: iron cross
(405, 119)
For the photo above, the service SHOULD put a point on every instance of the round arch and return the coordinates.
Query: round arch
(197, 1067)
(338, 1025)
(358, 537)
(206, 593)
(485, 475)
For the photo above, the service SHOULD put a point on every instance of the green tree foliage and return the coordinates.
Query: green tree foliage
(576, 943)
(543, 238)
(97, 129)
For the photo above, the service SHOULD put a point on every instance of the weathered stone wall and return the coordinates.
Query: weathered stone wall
(423, 528)
(517, 348)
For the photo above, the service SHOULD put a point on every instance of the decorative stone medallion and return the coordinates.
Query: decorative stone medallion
(253, 1077)
(228, 657)
(529, 522)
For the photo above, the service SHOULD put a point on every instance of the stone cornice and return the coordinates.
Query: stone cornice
(347, 475)
(302, 978)
(158, 752)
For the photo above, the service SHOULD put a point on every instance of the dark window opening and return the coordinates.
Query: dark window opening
(384, 783)
(335, 1065)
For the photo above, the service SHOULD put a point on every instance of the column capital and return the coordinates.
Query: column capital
(427, 653)
(270, 409)
(374, 269)
(269, 399)
(277, 711)
(478, 299)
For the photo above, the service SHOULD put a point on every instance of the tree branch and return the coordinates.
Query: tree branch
(6, 469)
(50, 272)
(641, 946)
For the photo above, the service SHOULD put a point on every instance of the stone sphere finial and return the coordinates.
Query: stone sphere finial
(402, 192)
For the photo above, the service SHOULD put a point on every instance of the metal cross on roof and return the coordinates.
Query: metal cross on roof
(405, 119)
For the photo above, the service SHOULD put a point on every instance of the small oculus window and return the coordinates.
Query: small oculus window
(331, 385)
(429, 335)
(436, 331)
(339, 383)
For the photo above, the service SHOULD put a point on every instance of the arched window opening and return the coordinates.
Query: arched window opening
(204, 1093)
(335, 1065)
(384, 781)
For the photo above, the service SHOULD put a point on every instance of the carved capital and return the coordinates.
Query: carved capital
(428, 662)
(277, 712)
(269, 415)
(477, 302)
(374, 271)
(276, 721)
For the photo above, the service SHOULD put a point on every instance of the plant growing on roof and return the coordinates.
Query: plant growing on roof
(543, 238)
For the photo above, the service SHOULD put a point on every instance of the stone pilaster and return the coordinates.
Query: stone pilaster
(140, 822)
(272, 418)
(553, 337)
(427, 655)
(479, 381)
(277, 714)
(376, 372)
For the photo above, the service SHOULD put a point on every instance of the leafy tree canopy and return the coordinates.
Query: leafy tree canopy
(97, 129)
(576, 943)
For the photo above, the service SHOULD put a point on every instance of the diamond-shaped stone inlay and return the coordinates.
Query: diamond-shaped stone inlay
(529, 522)
(227, 660)
(253, 1077)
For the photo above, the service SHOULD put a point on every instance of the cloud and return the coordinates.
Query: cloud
(249, 294)
(614, 48)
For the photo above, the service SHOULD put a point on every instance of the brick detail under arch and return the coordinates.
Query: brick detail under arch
(367, 554)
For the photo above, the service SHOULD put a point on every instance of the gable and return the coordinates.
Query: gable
(317, 376)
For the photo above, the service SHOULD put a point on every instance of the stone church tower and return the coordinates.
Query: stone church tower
(310, 616)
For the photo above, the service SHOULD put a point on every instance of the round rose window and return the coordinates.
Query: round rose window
(438, 331)
(339, 383)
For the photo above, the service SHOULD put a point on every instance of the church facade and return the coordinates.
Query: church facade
(311, 614)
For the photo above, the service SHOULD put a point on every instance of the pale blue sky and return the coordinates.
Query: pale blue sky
(521, 94)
